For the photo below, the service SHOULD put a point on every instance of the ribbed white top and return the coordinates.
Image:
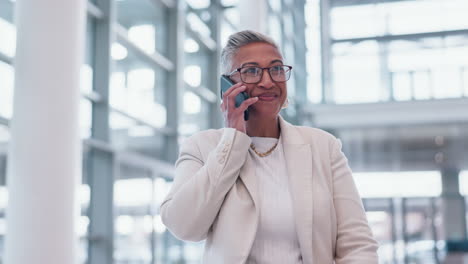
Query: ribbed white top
(276, 239)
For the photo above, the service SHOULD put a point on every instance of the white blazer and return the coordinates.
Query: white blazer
(214, 197)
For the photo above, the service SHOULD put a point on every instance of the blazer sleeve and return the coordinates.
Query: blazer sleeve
(200, 186)
(354, 242)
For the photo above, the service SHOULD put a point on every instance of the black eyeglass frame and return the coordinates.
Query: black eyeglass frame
(261, 76)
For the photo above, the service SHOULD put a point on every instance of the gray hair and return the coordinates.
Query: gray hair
(236, 41)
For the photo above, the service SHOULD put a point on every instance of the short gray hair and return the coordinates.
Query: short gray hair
(236, 41)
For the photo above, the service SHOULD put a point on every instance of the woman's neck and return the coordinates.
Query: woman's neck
(263, 127)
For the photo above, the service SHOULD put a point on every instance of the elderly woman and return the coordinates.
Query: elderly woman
(263, 190)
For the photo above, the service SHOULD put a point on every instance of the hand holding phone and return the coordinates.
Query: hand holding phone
(235, 104)
(226, 83)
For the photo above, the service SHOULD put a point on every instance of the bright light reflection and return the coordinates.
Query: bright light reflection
(399, 184)
(133, 192)
(376, 216)
(3, 227)
(124, 224)
(143, 36)
(140, 131)
(4, 135)
(463, 181)
(6, 89)
(198, 25)
(192, 103)
(82, 226)
(8, 42)
(3, 197)
(191, 46)
(118, 52)
(84, 195)
(161, 189)
(192, 75)
(159, 227)
(198, 4)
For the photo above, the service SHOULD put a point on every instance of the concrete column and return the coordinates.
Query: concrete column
(453, 205)
(253, 15)
(44, 163)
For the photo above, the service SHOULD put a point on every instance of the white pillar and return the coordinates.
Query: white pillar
(44, 162)
(253, 15)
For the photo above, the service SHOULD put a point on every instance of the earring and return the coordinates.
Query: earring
(285, 104)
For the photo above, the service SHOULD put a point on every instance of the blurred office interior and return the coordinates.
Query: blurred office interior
(388, 77)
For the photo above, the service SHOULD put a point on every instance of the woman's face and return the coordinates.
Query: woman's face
(271, 95)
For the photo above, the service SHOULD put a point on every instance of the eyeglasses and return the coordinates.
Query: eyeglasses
(252, 74)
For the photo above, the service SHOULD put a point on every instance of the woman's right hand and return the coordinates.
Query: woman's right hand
(234, 116)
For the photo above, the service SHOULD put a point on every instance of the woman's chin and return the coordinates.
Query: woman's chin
(265, 111)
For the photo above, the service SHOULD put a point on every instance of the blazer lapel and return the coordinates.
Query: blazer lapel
(247, 175)
(299, 165)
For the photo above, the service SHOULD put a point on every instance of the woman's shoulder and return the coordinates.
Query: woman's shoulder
(205, 137)
(312, 134)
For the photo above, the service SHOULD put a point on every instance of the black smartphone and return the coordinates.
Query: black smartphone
(226, 83)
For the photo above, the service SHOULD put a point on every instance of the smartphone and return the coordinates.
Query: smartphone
(226, 83)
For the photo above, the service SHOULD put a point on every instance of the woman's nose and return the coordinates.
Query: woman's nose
(266, 80)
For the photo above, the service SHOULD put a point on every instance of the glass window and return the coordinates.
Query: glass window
(6, 90)
(398, 184)
(356, 76)
(232, 14)
(226, 31)
(133, 194)
(198, 4)
(398, 18)
(357, 21)
(275, 5)
(137, 88)
(313, 53)
(146, 22)
(464, 73)
(402, 89)
(7, 28)
(198, 25)
(288, 22)
(463, 182)
(274, 28)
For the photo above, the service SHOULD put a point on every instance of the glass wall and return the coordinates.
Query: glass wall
(7, 52)
(379, 52)
(129, 79)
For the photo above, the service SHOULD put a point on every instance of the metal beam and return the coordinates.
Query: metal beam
(205, 93)
(155, 59)
(5, 58)
(341, 3)
(101, 166)
(129, 157)
(382, 114)
(168, 3)
(415, 36)
(4, 121)
(94, 11)
(164, 131)
(175, 88)
(93, 96)
(207, 42)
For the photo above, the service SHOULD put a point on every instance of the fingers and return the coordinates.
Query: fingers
(232, 88)
(229, 99)
(232, 92)
(247, 103)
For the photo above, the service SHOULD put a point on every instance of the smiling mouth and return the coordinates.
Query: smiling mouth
(267, 97)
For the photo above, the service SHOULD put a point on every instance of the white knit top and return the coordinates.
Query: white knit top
(276, 238)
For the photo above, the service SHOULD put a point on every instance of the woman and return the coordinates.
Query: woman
(263, 190)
